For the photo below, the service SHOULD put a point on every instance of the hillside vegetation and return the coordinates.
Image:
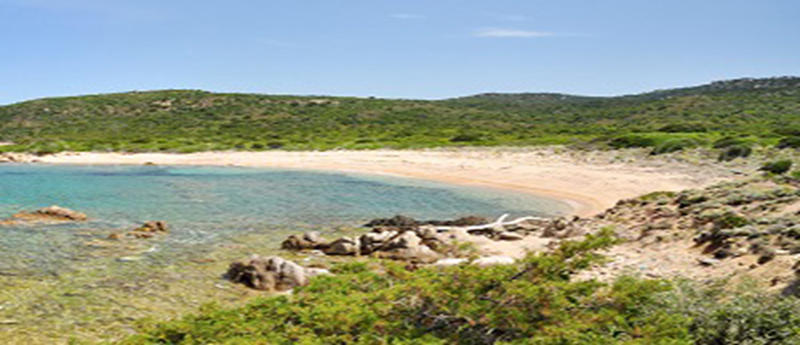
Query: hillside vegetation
(745, 111)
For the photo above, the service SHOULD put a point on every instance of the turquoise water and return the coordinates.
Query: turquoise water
(205, 205)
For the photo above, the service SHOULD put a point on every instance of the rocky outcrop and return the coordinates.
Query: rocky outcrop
(271, 273)
(49, 214)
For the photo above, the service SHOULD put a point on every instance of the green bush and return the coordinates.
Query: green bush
(736, 151)
(631, 141)
(778, 167)
(684, 128)
(789, 143)
(674, 145)
(729, 141)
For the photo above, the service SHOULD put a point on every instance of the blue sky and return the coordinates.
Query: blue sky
(395, 49)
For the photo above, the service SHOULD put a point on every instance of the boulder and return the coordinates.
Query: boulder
(374, 240)
(418, 254)
(509, 236)
(309, 241)
(252, 273)
(344, 246)
(270, 273)
(291, 275)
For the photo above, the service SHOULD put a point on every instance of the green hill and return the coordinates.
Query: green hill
(189, 120)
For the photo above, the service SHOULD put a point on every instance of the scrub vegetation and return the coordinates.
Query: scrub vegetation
(532, 302)
(731, 116)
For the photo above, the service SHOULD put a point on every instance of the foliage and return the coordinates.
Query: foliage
(674, 145)
(777, 167)
(735, 151)
(189, 120)
(789, 143)
(533, 301)
(747, 318)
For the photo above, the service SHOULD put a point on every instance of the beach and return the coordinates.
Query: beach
(588, 181)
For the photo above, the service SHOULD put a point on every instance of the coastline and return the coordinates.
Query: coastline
(589, 182)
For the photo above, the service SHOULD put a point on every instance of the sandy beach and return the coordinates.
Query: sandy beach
(589, 182)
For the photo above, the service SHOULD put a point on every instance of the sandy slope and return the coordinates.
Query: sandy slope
(590, 182)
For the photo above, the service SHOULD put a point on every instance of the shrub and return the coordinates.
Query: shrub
(721, 316)
(467, 137)
(728, 142)
(631, 141)
(684, 128)
(789, 143)
(736, 151)
(673, 145)
(778, 167)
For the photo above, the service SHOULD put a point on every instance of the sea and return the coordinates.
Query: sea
(210, 210)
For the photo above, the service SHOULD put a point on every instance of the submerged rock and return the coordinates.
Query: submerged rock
(52, 213)
(154, 226)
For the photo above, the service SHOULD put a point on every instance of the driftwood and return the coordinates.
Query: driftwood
(500, 222)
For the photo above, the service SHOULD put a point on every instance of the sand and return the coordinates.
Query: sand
(589, 182)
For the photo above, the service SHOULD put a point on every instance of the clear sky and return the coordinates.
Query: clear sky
(394, 49)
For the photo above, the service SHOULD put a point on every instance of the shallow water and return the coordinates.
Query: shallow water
(206, 204)
(59, 280)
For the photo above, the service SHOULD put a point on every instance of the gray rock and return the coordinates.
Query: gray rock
(344, 246)
(292, 274)
(509, 236)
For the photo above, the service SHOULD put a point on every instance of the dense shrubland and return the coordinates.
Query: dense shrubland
(532, 302)
(748, 112)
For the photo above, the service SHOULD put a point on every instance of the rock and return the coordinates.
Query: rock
(154, 226)
(344, 246)
(463, 221)
(313, 272)
(115, 236)
(309, 241)
(313, 237)
(419, 254)
(374, 240)
(271, 273)
(52, 213)
(252, 273)
(141, 234)
(509, 236)
(291, 275)
(408, 239)
(494, 260)
(395, 222)
(449, 262)
(707, 262)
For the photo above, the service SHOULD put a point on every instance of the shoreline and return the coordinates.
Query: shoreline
(588, 182)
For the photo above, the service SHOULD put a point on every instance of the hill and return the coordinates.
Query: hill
(190, 120)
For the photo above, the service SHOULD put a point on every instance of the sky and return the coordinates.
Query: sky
(426, 49)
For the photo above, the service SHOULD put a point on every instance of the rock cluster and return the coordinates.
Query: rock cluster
(404, 238)
(271, 273)
(146, 230)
